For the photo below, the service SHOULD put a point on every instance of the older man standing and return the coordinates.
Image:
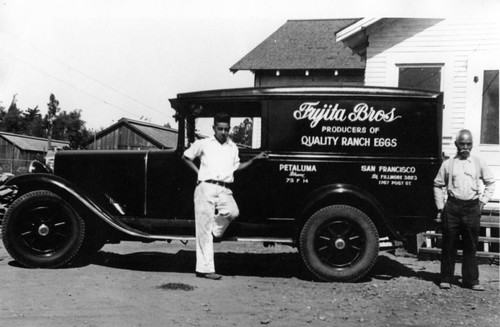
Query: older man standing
(459, 178)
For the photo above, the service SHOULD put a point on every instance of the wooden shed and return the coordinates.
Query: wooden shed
(127, 134)
(17, 151)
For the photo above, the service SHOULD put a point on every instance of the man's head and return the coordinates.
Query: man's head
(221, 126)
(463, 142)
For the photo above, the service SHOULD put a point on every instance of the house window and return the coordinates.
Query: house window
(489, 110)
(426, 78)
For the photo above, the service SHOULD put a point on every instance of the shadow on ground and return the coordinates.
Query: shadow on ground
(388, 268)
(237, 264)
(278, 265)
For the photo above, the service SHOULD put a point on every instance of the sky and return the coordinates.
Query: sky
(125, 58)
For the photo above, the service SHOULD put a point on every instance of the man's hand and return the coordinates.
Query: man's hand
(481, 206)
(190, 164)
(438, 219)
(260, 156)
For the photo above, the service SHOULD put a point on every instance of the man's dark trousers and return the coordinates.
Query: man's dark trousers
(460, 218)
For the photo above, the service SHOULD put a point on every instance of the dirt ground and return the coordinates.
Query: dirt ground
(134, 284)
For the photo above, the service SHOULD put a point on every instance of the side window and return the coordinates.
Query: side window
(246, 122)
(245, 131)
(420, 77)
(489, 110)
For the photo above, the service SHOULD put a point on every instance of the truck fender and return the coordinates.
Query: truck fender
(68, 191)
(348, 194)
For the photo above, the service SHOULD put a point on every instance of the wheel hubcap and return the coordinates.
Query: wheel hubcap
(43, 230)
(340, 244)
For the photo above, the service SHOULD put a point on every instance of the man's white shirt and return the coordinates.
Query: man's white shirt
(217, 161)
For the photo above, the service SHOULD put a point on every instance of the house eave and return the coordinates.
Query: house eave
(356, 28)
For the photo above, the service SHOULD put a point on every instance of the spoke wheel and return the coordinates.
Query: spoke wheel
(41, 230)
(339, 243)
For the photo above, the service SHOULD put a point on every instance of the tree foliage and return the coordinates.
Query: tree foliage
(242, 134)
(57, 124)
(33, 121)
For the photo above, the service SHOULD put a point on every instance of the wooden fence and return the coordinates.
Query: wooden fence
(489, 239)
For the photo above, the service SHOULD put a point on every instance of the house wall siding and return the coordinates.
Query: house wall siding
(459, 47)
(450, 42)
(262, 80)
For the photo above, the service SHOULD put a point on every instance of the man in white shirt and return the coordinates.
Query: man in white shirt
(459, 178)
(214, 204)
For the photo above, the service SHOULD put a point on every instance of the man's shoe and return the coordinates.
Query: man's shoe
(445, 286)
(212, 276)
(477, 287)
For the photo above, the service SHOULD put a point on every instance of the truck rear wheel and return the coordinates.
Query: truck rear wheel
(41, 230)
(339, 243)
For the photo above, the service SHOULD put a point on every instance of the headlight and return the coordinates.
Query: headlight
(38, 167)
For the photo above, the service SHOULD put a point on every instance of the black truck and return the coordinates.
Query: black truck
(346, 166)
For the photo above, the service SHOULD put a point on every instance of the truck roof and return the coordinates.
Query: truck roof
(267, 92)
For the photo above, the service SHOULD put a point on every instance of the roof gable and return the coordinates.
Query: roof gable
(161, 136)
(167, 137)
(303, 44)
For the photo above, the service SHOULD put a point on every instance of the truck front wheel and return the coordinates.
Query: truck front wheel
(339, 243)
(41, 230)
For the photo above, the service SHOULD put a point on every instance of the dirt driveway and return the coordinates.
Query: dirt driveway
(134, 284)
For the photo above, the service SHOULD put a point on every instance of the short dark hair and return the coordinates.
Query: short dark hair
(222, 117)
(462, 132)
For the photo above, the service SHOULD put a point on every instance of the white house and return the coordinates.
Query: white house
(460, 57)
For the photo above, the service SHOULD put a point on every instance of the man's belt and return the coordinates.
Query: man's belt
(454, 199)
(220, 183)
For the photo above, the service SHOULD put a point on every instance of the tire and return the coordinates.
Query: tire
(96, 236)
(41, 230)
(339, 243)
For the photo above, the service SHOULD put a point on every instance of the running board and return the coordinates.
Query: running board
(228, 239)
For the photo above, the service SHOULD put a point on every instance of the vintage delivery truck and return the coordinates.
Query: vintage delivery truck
(346, 166)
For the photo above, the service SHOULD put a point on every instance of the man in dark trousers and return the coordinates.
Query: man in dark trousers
(214, 204)
(459, 178)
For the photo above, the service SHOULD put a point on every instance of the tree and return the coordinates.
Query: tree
(53, 110)
(33, 122)
(242, 134)
(12, 121)
(66, 126)
(3, 113)
(70, 127)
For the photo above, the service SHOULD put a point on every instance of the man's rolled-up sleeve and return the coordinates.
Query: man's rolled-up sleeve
(193, 151)
(440, 183)
(489, 182)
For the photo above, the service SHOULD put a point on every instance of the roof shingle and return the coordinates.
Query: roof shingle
(303, 44)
